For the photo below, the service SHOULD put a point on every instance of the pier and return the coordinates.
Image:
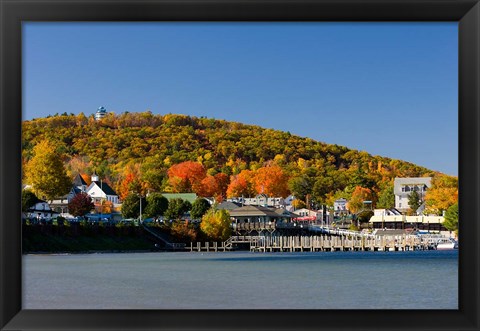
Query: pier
(320, 243)
(337, 243)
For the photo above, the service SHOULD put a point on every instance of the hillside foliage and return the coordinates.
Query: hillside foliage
(144, 152)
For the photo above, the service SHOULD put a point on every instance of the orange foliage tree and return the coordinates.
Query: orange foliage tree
(272, 181)
(242, 184)
(359, 195)
(186, 177)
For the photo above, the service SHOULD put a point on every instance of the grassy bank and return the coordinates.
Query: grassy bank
(76, 238)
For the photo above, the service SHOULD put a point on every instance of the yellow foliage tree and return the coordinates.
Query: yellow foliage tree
(216, 224)
(442, 194)
(359, 195)
(46, 172)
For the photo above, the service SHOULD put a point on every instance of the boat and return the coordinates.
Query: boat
(446, 243)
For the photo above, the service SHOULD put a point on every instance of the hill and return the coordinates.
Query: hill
(141, 148)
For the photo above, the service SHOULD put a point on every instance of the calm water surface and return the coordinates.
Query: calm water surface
(242, 280)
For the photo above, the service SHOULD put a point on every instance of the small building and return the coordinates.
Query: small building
(340, 207)
(307, 215)
(40, 211)
(403, 187)
(101, 113)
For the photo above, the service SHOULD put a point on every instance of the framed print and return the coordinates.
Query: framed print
(200, 27)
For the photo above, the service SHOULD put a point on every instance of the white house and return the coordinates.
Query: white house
(100, 190)
(260, 200)
(403, 187)
(41, 211)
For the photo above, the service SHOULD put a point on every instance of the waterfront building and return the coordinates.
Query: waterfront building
(403, 187)
(258, 219)
(399, 221)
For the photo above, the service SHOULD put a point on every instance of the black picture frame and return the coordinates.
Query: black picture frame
(14, 12)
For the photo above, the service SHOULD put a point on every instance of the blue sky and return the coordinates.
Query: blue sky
(387, 88)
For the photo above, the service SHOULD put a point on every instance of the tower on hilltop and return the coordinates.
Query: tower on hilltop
(101, 113)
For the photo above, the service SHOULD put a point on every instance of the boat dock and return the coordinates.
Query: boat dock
(320, 243)
(337, 243)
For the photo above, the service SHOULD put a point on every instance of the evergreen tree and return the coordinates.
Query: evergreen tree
(199, 208)
(386, 198)
(157, 205)
(414, 201)
(176, 209)
(451, 218)
(131, 206)
(29, 199)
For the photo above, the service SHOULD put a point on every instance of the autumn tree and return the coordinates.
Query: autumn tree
(186, 176)
(216, 224)
(242, 184)
(80, 205)
(272, 181)
(46, 172)
(199, 208)
(157, 205)
(359, 195)
(183, 231)
(177, 208)
(442, 194)
(130, 184)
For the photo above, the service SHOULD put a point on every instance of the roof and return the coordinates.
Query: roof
(79, 181)
(190, 197)
(105, 188)
(253, 211)
(228, 205)
(285, 213)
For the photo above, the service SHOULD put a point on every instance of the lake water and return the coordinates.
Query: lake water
(242, 280)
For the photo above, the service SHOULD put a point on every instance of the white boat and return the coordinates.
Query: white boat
(447, 243)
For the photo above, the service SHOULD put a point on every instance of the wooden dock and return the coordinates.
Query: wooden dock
(209, 247)
(320, 243)
(335, 243)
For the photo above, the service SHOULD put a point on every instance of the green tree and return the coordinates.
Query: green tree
(46, 173)
(29, 199)
(386, 198)
(451, 218)
(199, 208)
(80, 205)
(216, 224)
(131, 206)
(176, 208)
(157, 205)
(414, 201)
